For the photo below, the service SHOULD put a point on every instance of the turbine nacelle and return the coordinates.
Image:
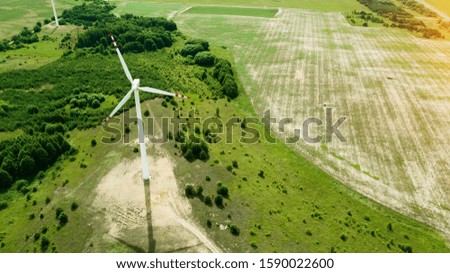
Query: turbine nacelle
(136, 84)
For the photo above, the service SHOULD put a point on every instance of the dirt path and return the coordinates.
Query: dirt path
(150, 217)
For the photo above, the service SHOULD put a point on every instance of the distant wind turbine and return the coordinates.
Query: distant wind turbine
(135, 87)
(54, 12)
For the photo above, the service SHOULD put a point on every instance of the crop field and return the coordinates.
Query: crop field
(443, 6)
(14, 15)
(256, 12)
(392, 87)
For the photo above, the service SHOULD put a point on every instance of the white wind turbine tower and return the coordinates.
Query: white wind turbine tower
(54, 12)
(135, 89)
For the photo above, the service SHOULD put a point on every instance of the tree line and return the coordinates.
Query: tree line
(401, 17)
(24, 156)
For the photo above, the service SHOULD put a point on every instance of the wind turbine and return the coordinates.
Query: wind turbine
(135, 87)
(54, 12)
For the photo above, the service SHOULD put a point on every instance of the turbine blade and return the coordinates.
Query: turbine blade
(160, 92)
(122, 61)
(121, 103)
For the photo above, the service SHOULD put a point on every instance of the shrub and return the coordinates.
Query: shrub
(93, 143)
(189, 190)
(63, 219)
(199, 191)
(191, 49)
(204, 59)
(47, 200)
(135, 150)
(261, 174)
(58, 212)
(223, 191)
(343, 237)
(389, 227)
(308, 232)
(208, 223)
(405, 248)
(234, 230)
(218, 200)
(74, 206)
(229, 168)
(45, 243)
(201, 42)
(146, 113)
(207, 178)
(235, 164)
(208, 201)
(3, 205)
(5, 179)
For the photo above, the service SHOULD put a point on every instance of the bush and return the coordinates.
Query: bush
(201, 42)
(63, 219)
(74, 206)
(93, 143)
(191, 49)
(58, 212)
(207, 178)
(5, 179)
(199, 191)
(3, 205)
(218, 200)
(190, 192)
(223, 191)
(308, 232)
(146, 113)
(261, 174)
(208, 201)
(135, 150)
(234, 230)
(45, 243)
(204, 59)
(343, 237)
(235, 164)
(208, 223)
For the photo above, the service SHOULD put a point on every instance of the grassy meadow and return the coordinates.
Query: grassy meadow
(217, 10)
(277, 198)
(14, 14)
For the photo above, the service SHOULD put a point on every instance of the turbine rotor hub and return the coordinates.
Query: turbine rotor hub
(136, 83)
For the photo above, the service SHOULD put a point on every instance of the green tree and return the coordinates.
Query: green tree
(5, 179)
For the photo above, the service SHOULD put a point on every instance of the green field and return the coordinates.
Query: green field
(148, 9)
(14, 15)
(216, 10)
(319, 5)
(279, 199)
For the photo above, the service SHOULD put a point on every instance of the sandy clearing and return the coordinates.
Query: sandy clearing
(149, 217)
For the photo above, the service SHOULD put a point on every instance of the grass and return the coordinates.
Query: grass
(272, 211)
(148, 9)
(217, 10)
(37, 54)
(14, 15)
(319, 5)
